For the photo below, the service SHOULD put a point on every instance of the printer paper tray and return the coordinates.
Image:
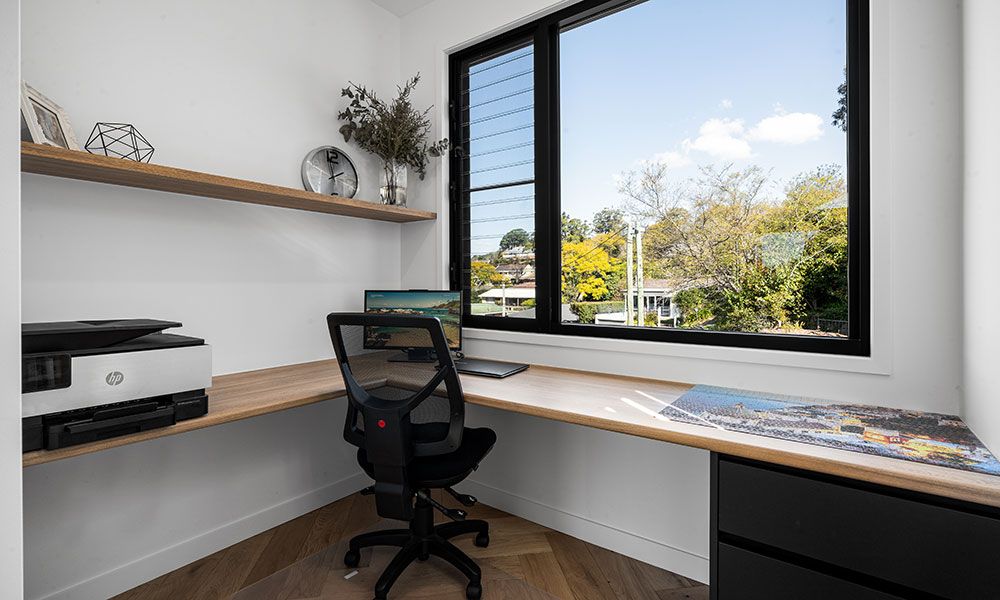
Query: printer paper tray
(80, 426)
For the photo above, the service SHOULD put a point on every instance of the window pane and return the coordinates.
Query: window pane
(499, 184)
(703, 166)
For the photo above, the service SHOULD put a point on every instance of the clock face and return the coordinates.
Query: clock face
(328, 170)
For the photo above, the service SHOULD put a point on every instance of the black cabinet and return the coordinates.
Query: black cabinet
(746, 575)
(776, 530)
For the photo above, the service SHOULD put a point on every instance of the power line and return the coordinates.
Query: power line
(617, 234)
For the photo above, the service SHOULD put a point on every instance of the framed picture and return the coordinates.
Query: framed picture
(44, 121)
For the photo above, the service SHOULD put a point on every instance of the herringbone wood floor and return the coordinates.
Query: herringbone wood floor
(521, 552)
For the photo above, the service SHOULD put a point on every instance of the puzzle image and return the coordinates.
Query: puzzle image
(931, 438)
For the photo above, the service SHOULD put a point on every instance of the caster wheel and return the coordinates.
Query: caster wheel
(352, 558)
(482, 540)
(473, 591)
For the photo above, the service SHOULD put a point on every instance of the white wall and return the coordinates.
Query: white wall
(981, 407)
(10, 298)
(916, 131)
(242, 89)
(103, 523)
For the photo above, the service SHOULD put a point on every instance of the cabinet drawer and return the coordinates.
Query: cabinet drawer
(745, 575)
(945, 551)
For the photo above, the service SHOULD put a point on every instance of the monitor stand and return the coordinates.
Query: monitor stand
(417, 355)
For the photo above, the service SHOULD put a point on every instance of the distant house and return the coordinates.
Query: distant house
(519, 253)
(517, 272)
(509, 298)
(657, 298)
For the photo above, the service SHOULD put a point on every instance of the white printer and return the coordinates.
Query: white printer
(83, 381)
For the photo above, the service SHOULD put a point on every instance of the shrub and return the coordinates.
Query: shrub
(695, 307)
(586, 311)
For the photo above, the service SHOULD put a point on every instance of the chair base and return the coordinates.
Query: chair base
(421, 541)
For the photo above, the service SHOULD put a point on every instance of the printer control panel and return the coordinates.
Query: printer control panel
(45, 372)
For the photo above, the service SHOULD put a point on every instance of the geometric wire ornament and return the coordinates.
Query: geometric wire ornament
(119, 139)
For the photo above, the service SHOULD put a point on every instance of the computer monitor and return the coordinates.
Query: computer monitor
(443, 304)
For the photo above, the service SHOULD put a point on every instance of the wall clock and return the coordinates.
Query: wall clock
(330, 171)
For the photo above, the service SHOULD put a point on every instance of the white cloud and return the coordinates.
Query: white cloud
(721, 138)
(730, 139)
(672, 159)
(790, 128)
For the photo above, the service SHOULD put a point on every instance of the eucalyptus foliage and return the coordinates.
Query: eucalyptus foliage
(393, 131)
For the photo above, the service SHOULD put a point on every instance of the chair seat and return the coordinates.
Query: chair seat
(443, 470)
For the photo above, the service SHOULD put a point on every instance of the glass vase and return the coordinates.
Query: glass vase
(393, 186)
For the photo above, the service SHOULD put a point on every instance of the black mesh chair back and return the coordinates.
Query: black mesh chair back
(407, 419)
(398, 410)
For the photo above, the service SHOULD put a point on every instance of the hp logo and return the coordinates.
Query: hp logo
(114, 378)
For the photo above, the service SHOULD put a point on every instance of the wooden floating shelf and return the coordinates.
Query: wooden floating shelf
(74, 164)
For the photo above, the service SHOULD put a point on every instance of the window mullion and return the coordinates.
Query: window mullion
(547, 240)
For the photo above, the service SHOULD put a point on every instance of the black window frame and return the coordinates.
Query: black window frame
(543, 33)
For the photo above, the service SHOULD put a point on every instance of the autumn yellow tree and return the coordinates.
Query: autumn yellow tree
(587, 269)
(484, 274)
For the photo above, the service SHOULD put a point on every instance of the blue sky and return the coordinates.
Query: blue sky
(686, 82)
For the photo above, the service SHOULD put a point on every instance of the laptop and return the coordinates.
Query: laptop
(488, 368)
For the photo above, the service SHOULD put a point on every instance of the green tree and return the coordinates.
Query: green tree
(574, 230)
(515, 238)
(609, 220)
(815, 208)
(695, 307)
(840, 115)
(660, 241)
(749, 263)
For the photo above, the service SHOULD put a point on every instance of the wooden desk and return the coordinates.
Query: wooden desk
(788, 520)
(626, 405)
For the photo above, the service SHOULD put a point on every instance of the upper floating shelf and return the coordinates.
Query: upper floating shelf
(74, 164)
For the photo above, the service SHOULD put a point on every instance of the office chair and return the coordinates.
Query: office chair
(408, 421)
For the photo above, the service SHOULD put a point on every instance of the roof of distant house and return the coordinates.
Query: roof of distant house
(512, 267)
(512, 292)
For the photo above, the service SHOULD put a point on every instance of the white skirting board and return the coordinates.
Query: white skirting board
(127, 576)
(145, 568)
(634, 545)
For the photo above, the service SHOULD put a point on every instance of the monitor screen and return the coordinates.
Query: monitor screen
(445, 305)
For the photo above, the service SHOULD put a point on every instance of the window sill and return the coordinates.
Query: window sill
(876, 364)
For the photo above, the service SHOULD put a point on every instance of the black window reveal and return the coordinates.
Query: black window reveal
(668, 170)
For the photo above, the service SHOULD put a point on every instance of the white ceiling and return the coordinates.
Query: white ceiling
(401, 7)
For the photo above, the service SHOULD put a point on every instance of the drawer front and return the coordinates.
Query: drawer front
(944, 551)
(745, 575)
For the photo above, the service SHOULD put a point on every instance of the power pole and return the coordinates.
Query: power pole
(629, 290)
(639, 278)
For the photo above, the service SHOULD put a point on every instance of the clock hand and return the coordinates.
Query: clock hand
(337, 175)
